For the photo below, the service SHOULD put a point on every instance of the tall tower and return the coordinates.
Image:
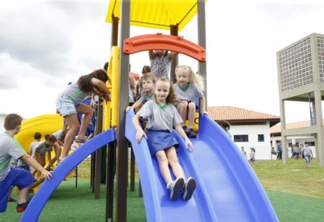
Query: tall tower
(301, 78)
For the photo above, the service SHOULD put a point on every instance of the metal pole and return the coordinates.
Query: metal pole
(174, 31)
(132, 171)
(98, 156)
(122, 162)
(202, 66)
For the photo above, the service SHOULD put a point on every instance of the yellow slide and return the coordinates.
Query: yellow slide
(45, 124)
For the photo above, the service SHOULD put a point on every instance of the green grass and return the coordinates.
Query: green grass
(296, 208)
(293, 178)
(296, 193)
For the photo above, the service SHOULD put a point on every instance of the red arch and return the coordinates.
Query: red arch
(164, 42)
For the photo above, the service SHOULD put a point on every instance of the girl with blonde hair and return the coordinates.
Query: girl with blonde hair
(188, 87)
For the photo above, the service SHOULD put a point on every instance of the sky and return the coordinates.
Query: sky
(46, 44)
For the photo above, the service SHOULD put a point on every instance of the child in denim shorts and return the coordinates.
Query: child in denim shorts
(69, 104)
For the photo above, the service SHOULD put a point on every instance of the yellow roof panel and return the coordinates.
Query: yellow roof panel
(159, 14)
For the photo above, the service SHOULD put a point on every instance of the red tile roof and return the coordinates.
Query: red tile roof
(234, 113)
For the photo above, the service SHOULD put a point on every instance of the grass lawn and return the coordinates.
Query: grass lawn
(296, 193)
(293, 178)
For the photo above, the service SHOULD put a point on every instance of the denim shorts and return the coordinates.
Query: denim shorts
(307, 158)
(65, 105)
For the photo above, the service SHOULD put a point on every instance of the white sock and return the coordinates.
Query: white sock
(190, 127)
(21, 202)
(183, 124)
(169, 185)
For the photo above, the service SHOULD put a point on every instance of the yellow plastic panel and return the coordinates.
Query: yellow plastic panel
(106, 118)
(45, 124)
(159, 14)
(114, 73)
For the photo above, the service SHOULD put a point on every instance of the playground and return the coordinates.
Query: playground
(96, 181)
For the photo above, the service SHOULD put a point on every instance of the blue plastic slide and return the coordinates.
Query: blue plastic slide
(48, 187)
(227, 187)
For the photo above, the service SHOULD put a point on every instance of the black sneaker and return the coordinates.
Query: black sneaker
(192, 133)
(175, 188)
(11, 200)
(190, 187)
(185, 128)
(22, 207)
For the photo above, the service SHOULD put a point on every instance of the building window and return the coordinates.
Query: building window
(261, 138)
(241, 138)
(311, 143)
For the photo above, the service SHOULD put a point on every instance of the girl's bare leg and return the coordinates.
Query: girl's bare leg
(174, 163)
(182, 109)
(164, 166)
(88, 114)
(191, 113)
(73, 122)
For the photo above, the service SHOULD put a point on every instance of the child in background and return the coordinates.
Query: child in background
(37, 138)
(60, 136)
(69, 104)
(307, 153)
(243, 152)
(145, 70)
(162, 117)
(225, 125)
(160, 62)
(41, 149)
(148, 82)
(10, 177)
(252, 156)
(295, 152)
(131, 90)
(189, 86)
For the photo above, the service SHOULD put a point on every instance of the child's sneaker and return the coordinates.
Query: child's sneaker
(11, 200)
(185, 128)
(192, 133)
(48, 169)
(22, 207)
(189, 188)
(175, 188)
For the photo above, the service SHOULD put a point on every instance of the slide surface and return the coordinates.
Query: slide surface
(45, 124)
(227, 188)
(48, 187)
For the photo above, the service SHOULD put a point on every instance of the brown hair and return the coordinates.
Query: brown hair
(50, 138)
(37, 136)
(146, 69)
(224, 124)
(12, 121)
(84, 81)
(149, 76)
(172, 97)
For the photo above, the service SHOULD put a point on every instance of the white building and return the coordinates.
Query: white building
(248, 128)
(299, 139)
